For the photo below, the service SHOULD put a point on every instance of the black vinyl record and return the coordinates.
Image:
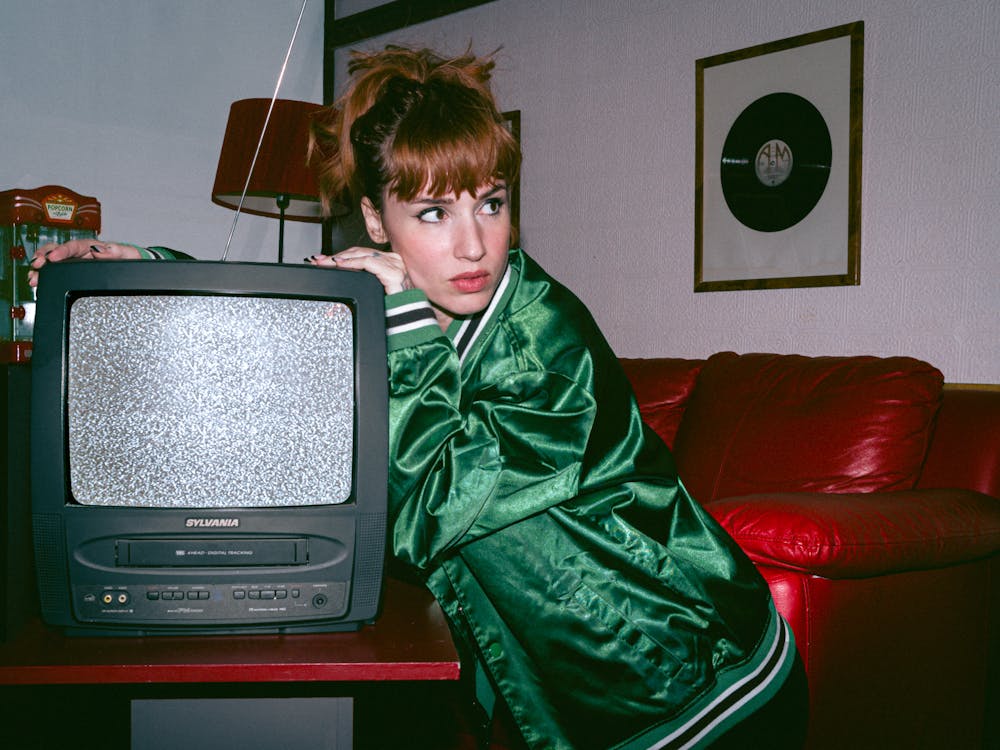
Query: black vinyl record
(776, 162)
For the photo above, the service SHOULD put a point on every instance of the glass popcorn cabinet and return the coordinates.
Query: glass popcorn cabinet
(28, 220)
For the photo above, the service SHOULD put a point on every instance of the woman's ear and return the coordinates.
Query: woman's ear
(373, 222)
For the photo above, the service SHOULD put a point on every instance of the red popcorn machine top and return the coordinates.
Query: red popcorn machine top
(28, 220)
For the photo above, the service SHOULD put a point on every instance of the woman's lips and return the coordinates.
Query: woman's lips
(469, 283)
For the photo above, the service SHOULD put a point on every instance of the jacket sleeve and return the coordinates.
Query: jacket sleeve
(463, 465)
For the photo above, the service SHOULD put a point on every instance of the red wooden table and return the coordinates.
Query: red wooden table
(409, 642)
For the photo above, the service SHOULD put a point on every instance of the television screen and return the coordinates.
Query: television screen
(197, 402)
(208, 447)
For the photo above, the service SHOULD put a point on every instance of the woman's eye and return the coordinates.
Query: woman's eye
(432, 215)
(493, 206)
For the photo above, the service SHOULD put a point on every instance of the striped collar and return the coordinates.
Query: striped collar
(464, 332)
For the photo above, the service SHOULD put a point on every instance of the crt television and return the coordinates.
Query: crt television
(208, 447)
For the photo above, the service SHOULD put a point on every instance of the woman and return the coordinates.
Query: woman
(603, 606)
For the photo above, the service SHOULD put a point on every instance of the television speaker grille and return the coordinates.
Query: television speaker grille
(53, 582)
(371, 538)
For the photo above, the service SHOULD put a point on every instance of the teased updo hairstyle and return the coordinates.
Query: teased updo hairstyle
(411, 120)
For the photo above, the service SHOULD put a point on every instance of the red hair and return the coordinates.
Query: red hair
(411, 120)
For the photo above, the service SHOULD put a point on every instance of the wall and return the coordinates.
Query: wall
(606, 92)
(127, 100)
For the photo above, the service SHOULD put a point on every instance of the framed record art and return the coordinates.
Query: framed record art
(778, 163)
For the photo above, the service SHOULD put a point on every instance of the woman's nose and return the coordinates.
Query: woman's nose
(469, 244)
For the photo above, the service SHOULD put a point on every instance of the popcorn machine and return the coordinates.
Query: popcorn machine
(28, 220)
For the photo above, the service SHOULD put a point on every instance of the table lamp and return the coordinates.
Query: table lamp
(280, 183)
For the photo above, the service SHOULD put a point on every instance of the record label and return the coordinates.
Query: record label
(775, 162)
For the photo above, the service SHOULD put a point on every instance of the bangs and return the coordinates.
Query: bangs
(448, 152)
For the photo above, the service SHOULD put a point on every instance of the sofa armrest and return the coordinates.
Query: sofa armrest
(862, 534)
(965, 449)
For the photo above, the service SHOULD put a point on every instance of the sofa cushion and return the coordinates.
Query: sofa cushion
(860, 535)
(662, 387)
(788, 423)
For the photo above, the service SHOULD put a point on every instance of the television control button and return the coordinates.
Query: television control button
(282, 594)
(239, 594)
(153, 595)
(266, 594)
(255, 595)
(296, 593)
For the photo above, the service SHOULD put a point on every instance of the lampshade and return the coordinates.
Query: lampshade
(280, 172)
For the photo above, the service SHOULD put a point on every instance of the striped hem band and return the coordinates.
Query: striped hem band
(747, 691)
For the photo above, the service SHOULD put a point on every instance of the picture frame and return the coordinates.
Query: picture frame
(512, 119)
(778, 163)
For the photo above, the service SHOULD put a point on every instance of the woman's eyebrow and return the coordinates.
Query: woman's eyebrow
(430, 201)
(446, 200)
(497, 188)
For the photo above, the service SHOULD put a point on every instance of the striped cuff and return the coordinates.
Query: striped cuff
(156, 252)
(409, 319)
(143, 252)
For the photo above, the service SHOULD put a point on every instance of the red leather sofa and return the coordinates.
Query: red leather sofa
(866, 492)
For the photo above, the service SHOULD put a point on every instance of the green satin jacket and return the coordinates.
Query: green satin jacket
(608, 609)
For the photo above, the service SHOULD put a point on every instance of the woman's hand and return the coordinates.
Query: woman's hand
(386, 266)
(84, 249)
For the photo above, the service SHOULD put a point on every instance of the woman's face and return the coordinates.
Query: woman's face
(454, 246)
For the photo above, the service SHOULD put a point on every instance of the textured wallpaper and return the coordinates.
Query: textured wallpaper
(607, 98)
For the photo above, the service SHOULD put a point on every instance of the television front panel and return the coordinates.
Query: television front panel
(208, 447)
